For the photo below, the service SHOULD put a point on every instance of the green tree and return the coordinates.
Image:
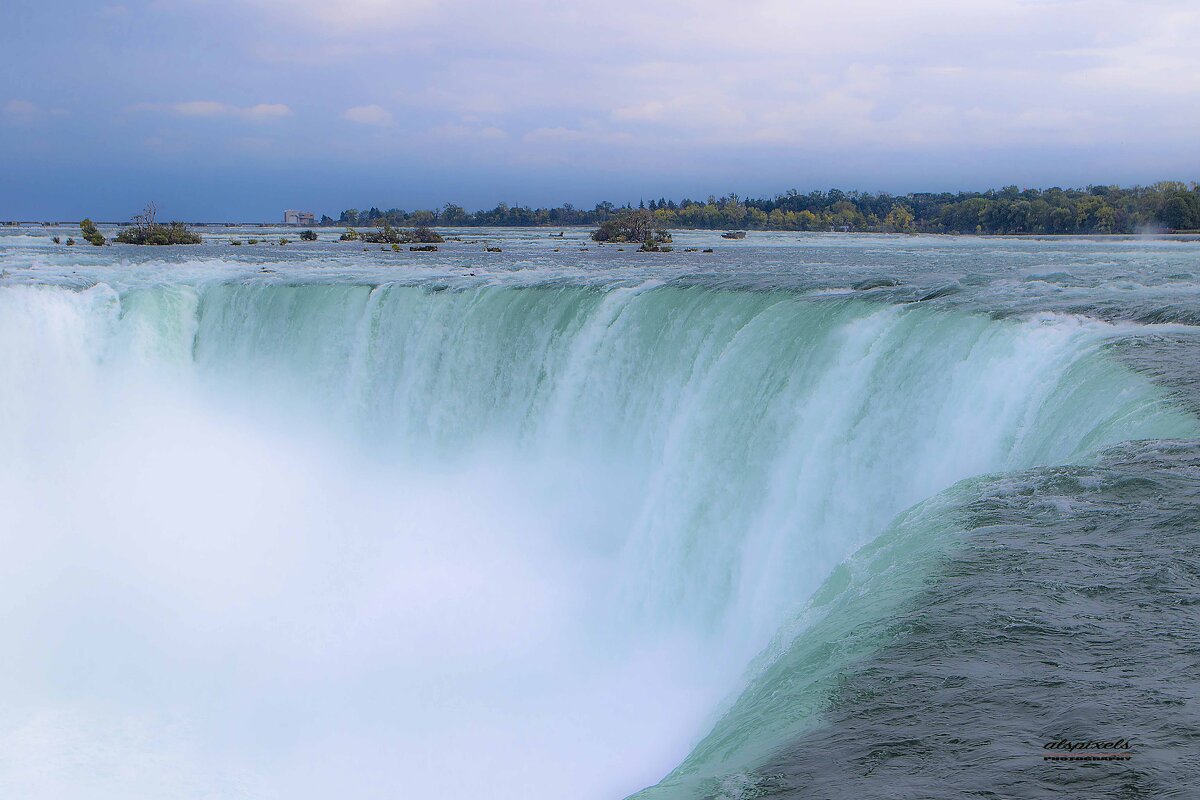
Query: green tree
(900, 218)
(90, 233)
(1178, 213)
(146, 230)
(631, 226)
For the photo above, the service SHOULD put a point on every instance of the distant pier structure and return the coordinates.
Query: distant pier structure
(293, 217)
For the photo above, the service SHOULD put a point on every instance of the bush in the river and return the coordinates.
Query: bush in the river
(283, 240)
(146, 230)
(90, 233)
(70, 241)
(632, 226)
(424, 248)
(236, 242)
(350, 235)
(389, 235)
(56, 239)
(252, 241)
(426, 235)
(308, 236)
(385, 235)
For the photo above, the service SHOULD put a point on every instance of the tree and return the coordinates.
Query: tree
(90, 233)
(631, 226)
(1094, 215)
(145, 221)
(426, 235)
(900, 218)
(1096, 209)
(1178, 214)
(453, 215)
(386, 235)
(145, 229)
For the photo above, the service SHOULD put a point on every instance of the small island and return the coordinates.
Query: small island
(422, 234)
(629, 226)
(145, 229)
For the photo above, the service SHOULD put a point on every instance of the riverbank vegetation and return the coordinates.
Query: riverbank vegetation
(1164, 206)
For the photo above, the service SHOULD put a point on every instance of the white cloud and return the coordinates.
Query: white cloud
(350, 16)
(785, 76)
(462, 131)
(20, 108)
(202, 108)
(213, 108)
(368, 115)
(28, 112)
(267, 111)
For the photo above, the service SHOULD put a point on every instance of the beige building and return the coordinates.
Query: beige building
(292, 217)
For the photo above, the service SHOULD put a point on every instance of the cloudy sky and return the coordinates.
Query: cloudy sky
(236, 109)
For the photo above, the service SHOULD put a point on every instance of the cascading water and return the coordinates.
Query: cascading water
(378, 540)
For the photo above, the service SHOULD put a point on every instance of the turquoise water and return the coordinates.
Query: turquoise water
(310, 521)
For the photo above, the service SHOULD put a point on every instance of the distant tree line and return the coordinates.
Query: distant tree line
(1169, 205)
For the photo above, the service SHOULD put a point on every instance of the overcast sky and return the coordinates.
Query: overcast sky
(237, 109)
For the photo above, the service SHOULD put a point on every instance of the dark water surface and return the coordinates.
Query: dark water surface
(1070, 610)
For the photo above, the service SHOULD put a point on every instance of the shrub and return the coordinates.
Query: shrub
(70, 241)
(350, 235)
(146, 230)
(387, 235)
(631, 226)
(283, 240)
(308, 236)
(57, 240)
(90, 233)
(426, 235)
(173, 233)
(236, 242)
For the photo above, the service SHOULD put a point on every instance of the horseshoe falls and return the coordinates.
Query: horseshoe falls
(812, 516)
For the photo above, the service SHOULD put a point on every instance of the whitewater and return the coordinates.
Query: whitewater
(314, 520)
